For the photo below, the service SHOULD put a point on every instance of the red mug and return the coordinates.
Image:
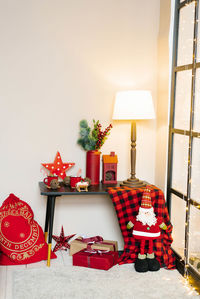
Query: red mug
(74, 180)
(48, 180)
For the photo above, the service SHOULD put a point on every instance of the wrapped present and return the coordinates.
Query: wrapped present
(96, 242)
(96, 259)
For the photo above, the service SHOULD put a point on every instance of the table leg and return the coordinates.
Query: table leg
(51, 216)
(47, 218)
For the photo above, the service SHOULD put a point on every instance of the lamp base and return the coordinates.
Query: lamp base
(133, 183)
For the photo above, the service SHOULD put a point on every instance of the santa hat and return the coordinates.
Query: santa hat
(146, 199)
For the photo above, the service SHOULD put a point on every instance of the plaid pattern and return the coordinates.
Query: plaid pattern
(127, 202)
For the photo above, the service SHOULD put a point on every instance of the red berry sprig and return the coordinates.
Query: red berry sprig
(102, 135)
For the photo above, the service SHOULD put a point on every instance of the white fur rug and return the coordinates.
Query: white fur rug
(121, 282)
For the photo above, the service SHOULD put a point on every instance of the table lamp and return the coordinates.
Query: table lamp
(133, 105)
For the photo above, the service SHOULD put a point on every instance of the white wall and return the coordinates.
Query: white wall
(62, 61)
(163, 96)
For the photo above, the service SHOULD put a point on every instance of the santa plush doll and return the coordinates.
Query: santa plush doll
(146, 228)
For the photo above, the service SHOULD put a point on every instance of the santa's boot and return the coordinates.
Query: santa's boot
(153, 263)
(141, 264)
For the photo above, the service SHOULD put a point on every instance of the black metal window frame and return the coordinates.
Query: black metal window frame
(190, 133)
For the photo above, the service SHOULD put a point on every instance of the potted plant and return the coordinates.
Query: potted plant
(91, 140)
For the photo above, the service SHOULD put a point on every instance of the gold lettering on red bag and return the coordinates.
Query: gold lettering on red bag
(24, 245)
(5, 242)
(26, 254)
(27, 248)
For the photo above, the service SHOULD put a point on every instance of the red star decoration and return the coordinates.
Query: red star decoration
(62, 241)
(58, 167)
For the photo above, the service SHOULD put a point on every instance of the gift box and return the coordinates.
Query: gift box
(97, 243)
(97, 259)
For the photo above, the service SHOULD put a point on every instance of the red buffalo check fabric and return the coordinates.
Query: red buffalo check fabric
(127, 202)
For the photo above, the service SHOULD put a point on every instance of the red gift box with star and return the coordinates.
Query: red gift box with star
(96, 259)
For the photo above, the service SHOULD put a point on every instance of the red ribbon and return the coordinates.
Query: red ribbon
(93, 251)
(96, 251)
(94, 240)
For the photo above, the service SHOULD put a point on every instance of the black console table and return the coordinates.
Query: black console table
(50, 206)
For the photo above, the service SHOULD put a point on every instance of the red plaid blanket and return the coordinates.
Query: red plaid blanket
(127, 202)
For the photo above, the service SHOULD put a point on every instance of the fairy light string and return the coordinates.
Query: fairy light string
(187, 198)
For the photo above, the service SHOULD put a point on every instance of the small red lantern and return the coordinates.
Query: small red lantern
(110, 169)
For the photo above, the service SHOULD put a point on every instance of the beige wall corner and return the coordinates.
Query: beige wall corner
(61, 62)
(162, 94)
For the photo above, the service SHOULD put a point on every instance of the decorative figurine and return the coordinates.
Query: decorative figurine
(51, 182)
(110, 168)
(54, 184)
(66, 181)
(82, 186)
(146, 227)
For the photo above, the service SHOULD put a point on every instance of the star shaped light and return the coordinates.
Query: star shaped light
(58, 167)
(62, 241)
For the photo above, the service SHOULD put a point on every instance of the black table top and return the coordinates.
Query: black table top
(67, 190)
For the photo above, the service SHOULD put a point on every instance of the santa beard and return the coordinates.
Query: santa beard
(149, 219)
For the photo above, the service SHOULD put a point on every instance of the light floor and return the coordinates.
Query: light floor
(63, 259)
(6, 272)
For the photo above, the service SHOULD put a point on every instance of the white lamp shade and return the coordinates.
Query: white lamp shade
(133, 104)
